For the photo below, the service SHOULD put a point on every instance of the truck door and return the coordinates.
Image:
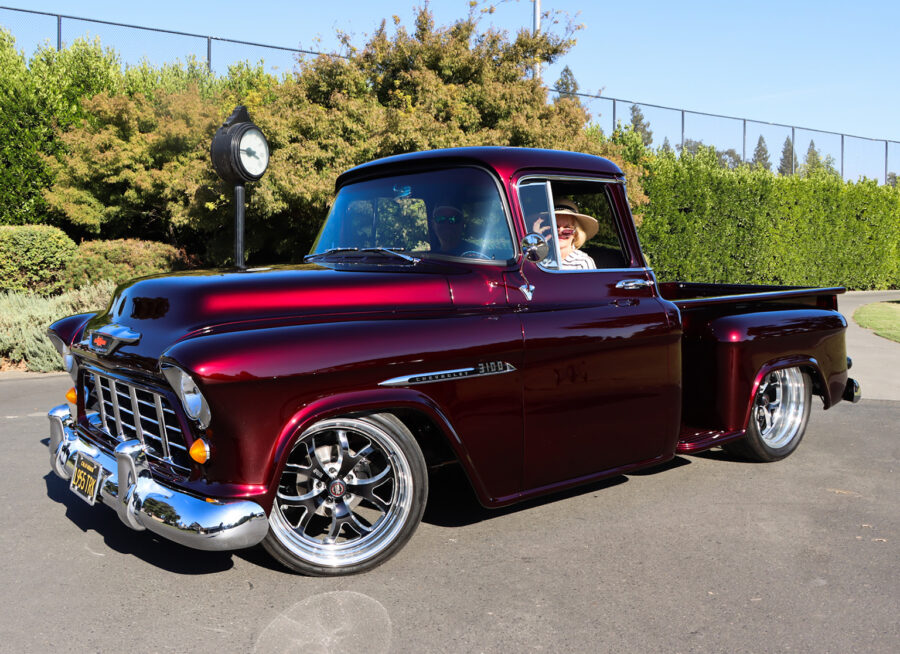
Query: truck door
(601, 363)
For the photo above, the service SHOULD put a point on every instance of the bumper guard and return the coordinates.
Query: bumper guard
(143, 503)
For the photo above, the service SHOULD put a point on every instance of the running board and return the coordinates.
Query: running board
(691, 442)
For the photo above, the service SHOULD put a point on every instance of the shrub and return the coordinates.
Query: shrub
(704, 223)
(34, 258)
(121, 260)
(24, 318)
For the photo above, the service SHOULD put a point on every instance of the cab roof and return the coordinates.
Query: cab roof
(505, 161)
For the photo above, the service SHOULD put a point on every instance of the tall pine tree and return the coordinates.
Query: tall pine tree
(640, 125)
(813, 158)
(566, 85)
(761, 155)
(788, 158)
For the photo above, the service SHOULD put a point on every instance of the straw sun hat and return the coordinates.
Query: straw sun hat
(589, 225)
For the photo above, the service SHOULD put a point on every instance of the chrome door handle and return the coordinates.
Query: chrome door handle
(632, 284)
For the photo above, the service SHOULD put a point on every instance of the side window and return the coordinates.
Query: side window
(577, 219)
(591, 200)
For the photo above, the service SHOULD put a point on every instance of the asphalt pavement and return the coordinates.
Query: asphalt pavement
(705, 554)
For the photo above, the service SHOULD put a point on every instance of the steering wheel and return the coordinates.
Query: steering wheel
(474, 254)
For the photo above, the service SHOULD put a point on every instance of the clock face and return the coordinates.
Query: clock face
(254, 152)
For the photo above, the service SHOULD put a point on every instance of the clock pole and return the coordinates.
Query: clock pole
(240, 154)
(239, 226)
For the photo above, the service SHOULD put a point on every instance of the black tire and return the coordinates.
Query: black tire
(352, 493)
(778, 418)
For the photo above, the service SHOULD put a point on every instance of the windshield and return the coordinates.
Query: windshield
(437, 214)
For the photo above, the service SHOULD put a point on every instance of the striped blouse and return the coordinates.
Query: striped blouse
(577, 260)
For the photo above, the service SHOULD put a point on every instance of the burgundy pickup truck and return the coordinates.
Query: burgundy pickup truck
(444, 315)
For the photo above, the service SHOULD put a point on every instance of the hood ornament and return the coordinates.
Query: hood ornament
(106, 339)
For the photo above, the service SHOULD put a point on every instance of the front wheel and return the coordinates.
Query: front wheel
(352, 493)
(778, 417)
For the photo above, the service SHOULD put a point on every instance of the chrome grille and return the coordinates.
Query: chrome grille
(128, 412)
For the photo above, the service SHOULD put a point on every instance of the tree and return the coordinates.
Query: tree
(892, 179)
(813, 160)
(816, 164)
(566, 85)
(140, 164)
(788, 162)
(666, 146)
(640, 125)
(690, 146)
(729, 158)
(761, 155)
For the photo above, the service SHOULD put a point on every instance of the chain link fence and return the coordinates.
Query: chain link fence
(735, 138)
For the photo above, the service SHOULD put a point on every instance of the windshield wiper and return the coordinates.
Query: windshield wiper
(393, 252)
(319, 255)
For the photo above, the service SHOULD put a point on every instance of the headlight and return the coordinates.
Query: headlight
(188, 392)
(69, 362)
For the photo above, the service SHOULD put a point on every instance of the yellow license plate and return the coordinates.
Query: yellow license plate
(86, 478)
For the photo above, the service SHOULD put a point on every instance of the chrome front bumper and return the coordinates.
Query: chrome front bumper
(146, 504)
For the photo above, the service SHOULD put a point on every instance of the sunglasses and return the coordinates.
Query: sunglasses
(447, 215)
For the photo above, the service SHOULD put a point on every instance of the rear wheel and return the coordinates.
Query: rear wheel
(351, 494)
(778, 417)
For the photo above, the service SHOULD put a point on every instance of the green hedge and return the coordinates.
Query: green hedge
(34, 258)
(708, 224)
(24, 319)
(121, 260)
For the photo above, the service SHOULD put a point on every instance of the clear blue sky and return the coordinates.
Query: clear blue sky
(828, 65)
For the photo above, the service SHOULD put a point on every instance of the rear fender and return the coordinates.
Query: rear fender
(745, 347)
(807, 364)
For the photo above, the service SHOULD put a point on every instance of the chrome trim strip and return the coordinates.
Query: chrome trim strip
(161, 423)
(480, 370)
(98, 388)
(114, 392)
(136, 415)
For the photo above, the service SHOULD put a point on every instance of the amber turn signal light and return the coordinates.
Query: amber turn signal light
(72, 396)
(200, 451)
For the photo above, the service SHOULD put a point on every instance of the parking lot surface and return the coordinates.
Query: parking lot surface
(707, 554)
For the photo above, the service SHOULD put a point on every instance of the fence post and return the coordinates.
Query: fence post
(744, 154)
(682, 131)
(58, 33)
(793, 150)
(614, 116)
(842, 156)
(885, 160)
(209, 53)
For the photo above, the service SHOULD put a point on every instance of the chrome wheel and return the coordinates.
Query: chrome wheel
(778, 417)
(351, 493)
(780, 406)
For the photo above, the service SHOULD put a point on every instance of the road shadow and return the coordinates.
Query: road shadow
(452, 501)
(144, 545)
(720, 454)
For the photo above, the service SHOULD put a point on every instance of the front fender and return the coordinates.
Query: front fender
(368, 401)
(264, 385)
(71, 328)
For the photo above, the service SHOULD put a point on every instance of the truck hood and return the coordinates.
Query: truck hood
(148, 315)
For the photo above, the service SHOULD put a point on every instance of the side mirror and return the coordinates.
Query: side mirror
(534, 247)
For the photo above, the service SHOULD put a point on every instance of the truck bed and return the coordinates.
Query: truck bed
(691, 295)
(733, 331)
